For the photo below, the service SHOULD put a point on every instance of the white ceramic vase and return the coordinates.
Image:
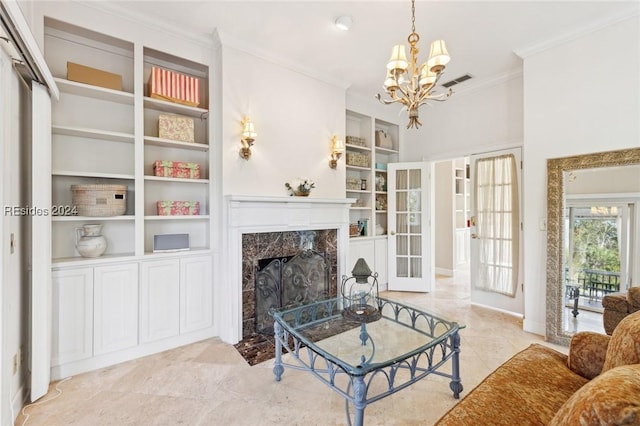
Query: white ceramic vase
(89, 241)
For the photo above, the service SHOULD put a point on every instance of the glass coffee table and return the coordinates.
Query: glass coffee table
(365, 362)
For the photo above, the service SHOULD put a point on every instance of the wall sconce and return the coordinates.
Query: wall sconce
(248, 137)
(337, 148)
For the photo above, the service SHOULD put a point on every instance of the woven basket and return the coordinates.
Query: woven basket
(100, 200)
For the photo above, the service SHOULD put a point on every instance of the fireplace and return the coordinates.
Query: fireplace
(285, 269)
(263, 227)
(288, 282)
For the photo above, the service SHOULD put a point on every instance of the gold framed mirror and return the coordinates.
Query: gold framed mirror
(557, 170)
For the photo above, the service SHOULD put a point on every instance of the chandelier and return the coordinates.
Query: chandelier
(411, 84)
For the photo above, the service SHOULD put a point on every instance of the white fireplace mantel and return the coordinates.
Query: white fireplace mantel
(255, 214)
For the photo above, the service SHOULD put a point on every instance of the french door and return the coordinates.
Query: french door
(409, 229)
(496, 275)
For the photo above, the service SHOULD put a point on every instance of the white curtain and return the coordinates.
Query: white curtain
(497, 221)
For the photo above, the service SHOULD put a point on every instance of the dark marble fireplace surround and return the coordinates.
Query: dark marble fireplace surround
(266, 245)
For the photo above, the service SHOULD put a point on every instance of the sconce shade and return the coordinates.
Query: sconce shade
(249, 131)
(247, 138)
(337, 148)
(337, 145)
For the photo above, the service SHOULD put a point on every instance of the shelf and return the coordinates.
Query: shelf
(168, 143)
(381, 192)
(380, 171)
(91, 218)
(92, 133)
(367, 169)
(172, 179)
(357, 147)
(192, 251)
(360, 208)
(87, 90)
(91, 175)
(386, 150)
(381, 211)
(78, 260)
(360, 191)
(183, 217)
(175, 108)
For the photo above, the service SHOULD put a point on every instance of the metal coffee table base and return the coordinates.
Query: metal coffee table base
(419, 364)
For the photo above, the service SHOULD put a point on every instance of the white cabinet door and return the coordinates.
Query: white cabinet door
(360, 249)
(196, 293)
(159, 299)
(72, 315)
(116, 308)
(381, 259)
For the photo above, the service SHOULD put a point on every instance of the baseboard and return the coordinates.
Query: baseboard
(444, 271)
(493, 308)
(18, 402)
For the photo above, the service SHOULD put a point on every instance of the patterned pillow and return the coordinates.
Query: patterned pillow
(624, 346)
(612, 398)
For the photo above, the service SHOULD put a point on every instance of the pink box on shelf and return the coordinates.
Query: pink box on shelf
(178, 208)
(177, 169)
(174, 86)
(176, 128)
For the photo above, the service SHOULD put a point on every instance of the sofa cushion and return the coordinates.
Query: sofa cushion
(613, 398)
(616, 302)
(624, 346)
(633, 297)
(528, 389)
(587, 353)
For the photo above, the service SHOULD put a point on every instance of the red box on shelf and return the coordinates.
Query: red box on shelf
(176, 169)
(174, 86)
(178, 208)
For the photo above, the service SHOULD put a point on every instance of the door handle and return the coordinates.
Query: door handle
(474, 236)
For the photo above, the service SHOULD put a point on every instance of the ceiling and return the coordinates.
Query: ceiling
(481, 36)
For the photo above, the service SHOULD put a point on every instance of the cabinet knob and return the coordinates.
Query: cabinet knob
(474, 236)
(392, 232)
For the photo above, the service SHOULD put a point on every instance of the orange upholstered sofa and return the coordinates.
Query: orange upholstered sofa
(598, 383)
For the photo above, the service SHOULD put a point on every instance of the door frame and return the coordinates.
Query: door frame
(493, 300)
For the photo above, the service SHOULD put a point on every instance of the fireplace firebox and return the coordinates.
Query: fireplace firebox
(286, 282)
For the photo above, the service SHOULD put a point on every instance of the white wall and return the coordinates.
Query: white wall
(444, 227)
(468, 123)
(294, 115)
(575, 102)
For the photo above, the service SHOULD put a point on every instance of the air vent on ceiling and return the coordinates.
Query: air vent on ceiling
(457, 80)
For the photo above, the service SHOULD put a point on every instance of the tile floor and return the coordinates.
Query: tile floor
(209, 383)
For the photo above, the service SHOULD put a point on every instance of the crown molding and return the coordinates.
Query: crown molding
(119, 10)
(568, 36)
(487, 83)
(225, 39)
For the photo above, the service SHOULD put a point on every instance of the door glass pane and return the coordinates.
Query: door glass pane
(413, 201)
(401, 179)
(416, 267)
(401, 223)
(415, 179)
(402, 244)
(416, 245)
(401, 202)
(402, 267)
(415, 222)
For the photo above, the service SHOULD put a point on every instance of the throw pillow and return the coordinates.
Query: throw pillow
(612, 398)
(624, 346)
